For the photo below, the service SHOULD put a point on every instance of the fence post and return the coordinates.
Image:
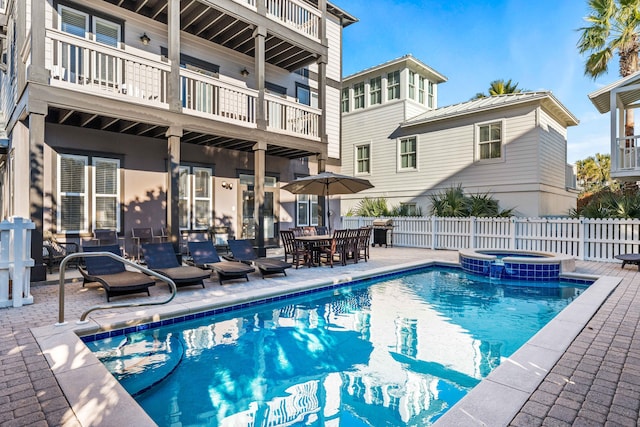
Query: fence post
(512, 240)
(5, 245)
(582, 231)
(434, 224)
(22, 261)
(472, 232)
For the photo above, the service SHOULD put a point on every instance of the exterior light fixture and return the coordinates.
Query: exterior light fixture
(227, 185)
(145, 39)
(244, 72)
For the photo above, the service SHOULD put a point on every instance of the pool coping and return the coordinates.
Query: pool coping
(97, 398)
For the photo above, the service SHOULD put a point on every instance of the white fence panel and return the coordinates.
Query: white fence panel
(493, 233)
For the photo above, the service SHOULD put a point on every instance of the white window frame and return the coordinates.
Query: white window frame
(393, 90)
(477, 126)
(186, 196)
(60, 194)
(412, 85)
(107, 23)
(310, 201)
(375, 92)
(72, 10)
(410, 206)
(357, 159)
(95, 195)
(421, 90)
(401, 154)
(431, 94)
(344, 105)
(206, 198)
(358, 96)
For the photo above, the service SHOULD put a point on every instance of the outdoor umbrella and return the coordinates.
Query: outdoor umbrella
(327, 183)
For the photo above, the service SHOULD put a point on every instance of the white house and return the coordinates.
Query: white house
(168, 114)
(511, 146)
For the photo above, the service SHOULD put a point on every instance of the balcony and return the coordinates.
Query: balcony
(626, 158)
(82, 65)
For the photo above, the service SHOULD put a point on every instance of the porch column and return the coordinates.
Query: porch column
(322, 88)
(21, 39)
(173, 47)
(29, 180)
(36, 71)
(259, 150)
(260, 34)
(174, 133)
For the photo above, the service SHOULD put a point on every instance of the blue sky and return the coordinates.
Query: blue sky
(473, 42)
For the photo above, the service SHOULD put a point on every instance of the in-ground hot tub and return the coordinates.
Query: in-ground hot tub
(513, 264)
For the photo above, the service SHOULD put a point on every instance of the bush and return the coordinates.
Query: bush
(609, 204)
(452, 202)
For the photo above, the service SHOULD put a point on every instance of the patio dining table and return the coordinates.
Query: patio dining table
(312, 242)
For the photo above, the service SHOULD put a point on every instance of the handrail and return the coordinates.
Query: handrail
(63, 266)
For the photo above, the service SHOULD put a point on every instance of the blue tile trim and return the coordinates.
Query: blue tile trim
(480, 267)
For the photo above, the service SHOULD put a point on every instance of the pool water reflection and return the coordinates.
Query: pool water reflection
(391, 352)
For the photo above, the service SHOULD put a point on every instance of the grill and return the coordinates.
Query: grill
(382, 232)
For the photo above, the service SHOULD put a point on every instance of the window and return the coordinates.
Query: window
(421, 88)
(303, 93)
(375, 90)
(490, 141)
(73, 21)
(345, 100)
(106, 32)
(358, 96)
(195, 198)
(393, 85)
(408, 153)
(430, 102)
(76, 191)
(412, 85)
(363, 159)
(409, 209)
(307, 210)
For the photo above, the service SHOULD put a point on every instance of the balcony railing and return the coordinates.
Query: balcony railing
(292, 13)
(104, 69)
(292, 117)
(627, 154)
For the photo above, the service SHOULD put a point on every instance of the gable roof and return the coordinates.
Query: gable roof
(546, 98)
(408, 61)
(601, 98)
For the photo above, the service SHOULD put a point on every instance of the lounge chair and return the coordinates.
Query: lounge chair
(205, 256)
(242, 250)
(161, 258)
(112, 274)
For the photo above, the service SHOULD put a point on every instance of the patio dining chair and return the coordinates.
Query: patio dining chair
(294, 248)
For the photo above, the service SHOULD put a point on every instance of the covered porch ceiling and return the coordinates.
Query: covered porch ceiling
(627, 91)
(87, 120)
(217, 25)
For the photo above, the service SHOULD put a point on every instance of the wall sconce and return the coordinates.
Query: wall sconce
(244, 72)
(145, 39)
(227, 185)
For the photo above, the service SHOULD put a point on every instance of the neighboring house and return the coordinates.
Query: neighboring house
(625, 151)
(511, 146)
(166, 114)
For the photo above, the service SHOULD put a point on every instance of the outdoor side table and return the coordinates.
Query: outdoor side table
(629, 259)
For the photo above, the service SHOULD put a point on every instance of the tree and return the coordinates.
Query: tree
(500, 87)
(594, 173)
(613, 29)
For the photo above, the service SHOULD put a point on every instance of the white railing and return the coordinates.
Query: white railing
(627, 153)
(295, 14)
(292, 117)
(7, 95)
(585, 239)
(104, 69)
(211, 97)
(15, 262)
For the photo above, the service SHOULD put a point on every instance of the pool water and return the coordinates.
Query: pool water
(392, 352)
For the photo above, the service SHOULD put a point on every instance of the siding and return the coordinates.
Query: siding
(333, 122)
(334, 37)
(553, 151)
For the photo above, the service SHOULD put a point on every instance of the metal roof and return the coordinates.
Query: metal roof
(602, 97)
(546, 98)
(409, 59)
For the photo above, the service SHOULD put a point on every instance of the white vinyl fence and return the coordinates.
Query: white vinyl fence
(585, 239)
(15, 262)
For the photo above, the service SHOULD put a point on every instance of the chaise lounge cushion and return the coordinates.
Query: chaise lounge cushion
(161, 258)
(205, 256)
(242, 250)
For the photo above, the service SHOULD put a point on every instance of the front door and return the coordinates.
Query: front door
(248, 219)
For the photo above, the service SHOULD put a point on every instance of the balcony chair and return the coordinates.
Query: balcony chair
(112, 275)
(205, 256)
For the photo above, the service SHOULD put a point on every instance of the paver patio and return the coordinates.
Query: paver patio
(595, 382)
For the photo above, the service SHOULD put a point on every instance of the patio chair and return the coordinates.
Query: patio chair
(161, 258)
(112, 275)
(364, 238)
(205, 256)
(141, 236)
(321, 230)
(340, 246)
(53, 252)
(297, 250)
(242, 251)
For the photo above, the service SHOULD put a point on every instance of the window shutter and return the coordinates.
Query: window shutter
(73, 22)
(106, 193)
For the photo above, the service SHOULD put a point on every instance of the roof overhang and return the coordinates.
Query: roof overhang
(627, 90)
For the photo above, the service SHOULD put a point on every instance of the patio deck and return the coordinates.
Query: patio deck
(595, 382)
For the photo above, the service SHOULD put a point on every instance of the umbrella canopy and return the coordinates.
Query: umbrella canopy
(327, 183)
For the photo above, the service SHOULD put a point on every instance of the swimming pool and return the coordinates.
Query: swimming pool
(399, 351)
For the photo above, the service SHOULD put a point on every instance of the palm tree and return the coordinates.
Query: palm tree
(613, 29)
(594, 173)
(500, 87)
